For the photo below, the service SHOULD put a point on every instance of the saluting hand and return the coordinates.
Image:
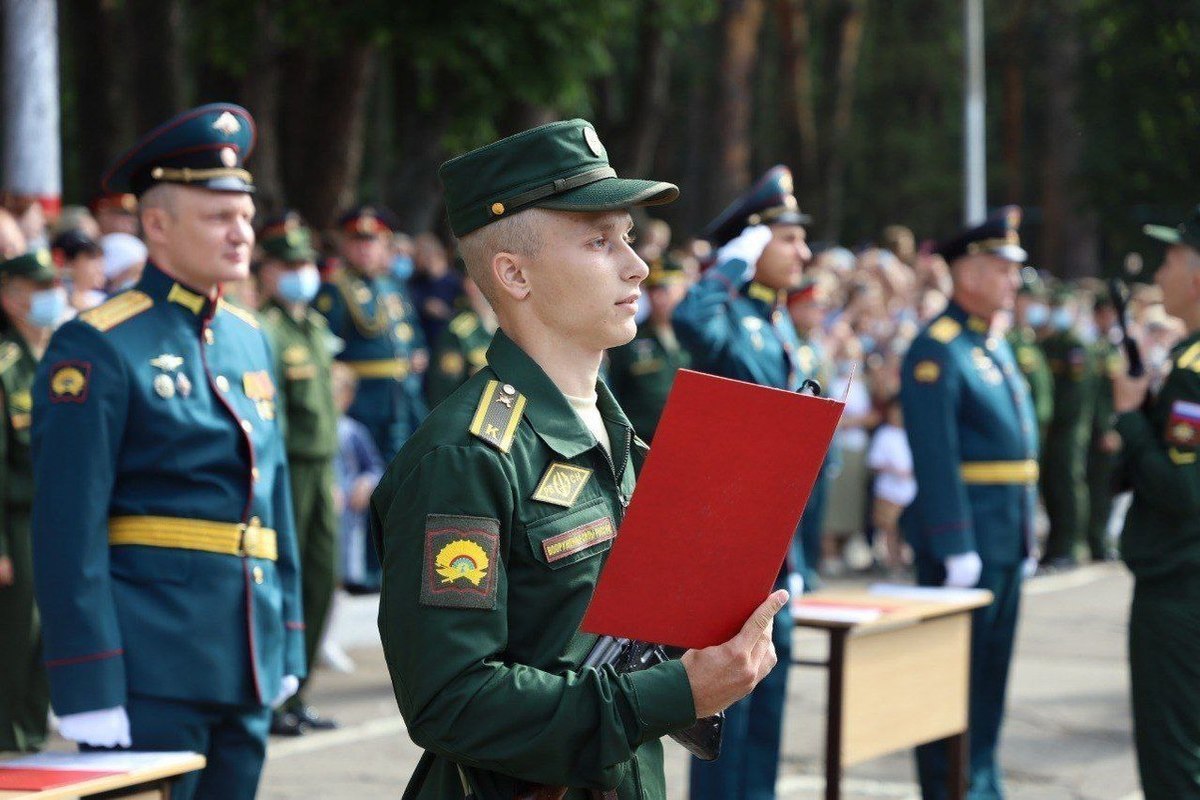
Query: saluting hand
(725, 673)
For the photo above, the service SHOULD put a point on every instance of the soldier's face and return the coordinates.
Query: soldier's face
(994, 282)
(1179, 279)
(781, 264)
(367, 254)
(207, 237)
(583, 282)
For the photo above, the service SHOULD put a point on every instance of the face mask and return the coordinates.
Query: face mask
(1061, 318)
(46, 307)
(402, 267)
(1037, 315)
(300, 285)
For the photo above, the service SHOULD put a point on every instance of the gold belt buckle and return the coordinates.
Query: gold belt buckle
(251, 536)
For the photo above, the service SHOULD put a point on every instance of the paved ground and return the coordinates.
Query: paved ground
(1067, 735)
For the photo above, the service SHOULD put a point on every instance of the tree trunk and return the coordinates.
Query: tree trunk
(259, 93)
(1015, 61)
(159, 59)
(652, 91)
(416, 190)
(799, 102)
(739, 26)
(850, 47)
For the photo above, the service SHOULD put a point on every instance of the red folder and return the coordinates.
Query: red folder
(715, 509)
(34, 779)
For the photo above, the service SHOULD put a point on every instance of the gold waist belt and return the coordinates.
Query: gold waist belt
(227, 538)
(1000, 471)
(380, 368)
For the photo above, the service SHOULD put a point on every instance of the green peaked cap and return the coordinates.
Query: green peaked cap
(562, 165)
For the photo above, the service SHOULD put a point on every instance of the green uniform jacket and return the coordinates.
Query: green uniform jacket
(1032, 363)
(17, 367)
(641, 374)
(1074, 389)
(460, 352)
(493, 523)
(1159, 449)
(1107, 361)
(302, 365)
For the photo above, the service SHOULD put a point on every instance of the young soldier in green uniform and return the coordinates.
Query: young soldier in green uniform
(30, 306)
(1105, 441)
(1161, 540)
(641, 373)
(734, 323)
(1064, 453)
(970, 423)
(1030, 314)
(369, 311)
(164, 554)
(461, 350)
(495, 518)
(300, 340)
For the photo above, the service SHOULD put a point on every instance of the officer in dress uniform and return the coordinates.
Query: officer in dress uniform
(164, 551)
(31, 304)
(1064, 453)
(300, 340)
(734, 323)
(642, 372)
(973, 433)
(1031, 314)
(495, 519)
(1161, 540)
(383, 343)
(461, 349)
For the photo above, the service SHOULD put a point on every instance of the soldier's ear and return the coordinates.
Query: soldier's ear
(508, 271)
(154, 220)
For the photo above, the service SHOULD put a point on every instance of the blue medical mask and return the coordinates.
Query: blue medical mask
(1061, 318)
(46, 307)
(1037, 314)
(402, 267)
(300, 285)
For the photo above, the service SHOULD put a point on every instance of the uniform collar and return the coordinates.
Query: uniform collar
(764, 297)
(969, 321)
(162, 288)
(546, 408)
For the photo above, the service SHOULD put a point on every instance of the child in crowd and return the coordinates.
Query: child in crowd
(895, 487)
(358, 467)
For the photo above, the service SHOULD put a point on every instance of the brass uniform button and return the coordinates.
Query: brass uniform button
(247, 426)
(222, 383)
(209, 338)
(497, 209)
(258, 574)
(254, 474)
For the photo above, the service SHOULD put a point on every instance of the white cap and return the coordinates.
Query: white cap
(121, 251)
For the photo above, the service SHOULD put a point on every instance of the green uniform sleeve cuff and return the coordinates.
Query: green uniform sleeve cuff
(662, 699)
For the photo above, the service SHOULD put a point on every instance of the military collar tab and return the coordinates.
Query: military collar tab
(161, 286)
(187, 298)
(978, 324)
(764, 294)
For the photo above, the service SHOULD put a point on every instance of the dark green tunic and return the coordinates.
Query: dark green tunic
(459, 352)
(493, 522)
(641, 374)
(1064, 453)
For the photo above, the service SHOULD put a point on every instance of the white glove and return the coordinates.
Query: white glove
(963, 570)
(287, 687)
(1029, 567)
(107, 727)
(748, 246)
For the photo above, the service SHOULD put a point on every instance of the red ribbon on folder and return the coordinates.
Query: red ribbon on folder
(715, 509)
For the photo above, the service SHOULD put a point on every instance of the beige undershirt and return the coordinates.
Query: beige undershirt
(589, 413)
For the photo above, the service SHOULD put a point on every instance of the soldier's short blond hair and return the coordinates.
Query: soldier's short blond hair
(520, 234)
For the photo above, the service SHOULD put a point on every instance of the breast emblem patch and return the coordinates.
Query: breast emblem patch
(561, 484)
(459, 569)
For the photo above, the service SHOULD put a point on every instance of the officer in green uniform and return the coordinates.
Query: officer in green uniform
(1105, 441)
(1161, 540)
(1064, 453)
(641, 373)
(1031, 314)
(461, 349)
(734, 323)
(164, 554)
(971, 425)
(30, 305)
(300, 340)
(495, 518)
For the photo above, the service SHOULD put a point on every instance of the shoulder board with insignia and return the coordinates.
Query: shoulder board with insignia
(10, 353)
(464, 325)
(241, 313)
(498, 415)
(945, 330)
(121, 308)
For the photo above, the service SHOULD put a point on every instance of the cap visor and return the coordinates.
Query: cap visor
(790, 218)
(610, 194)
(1163, 233)
(1012, 253)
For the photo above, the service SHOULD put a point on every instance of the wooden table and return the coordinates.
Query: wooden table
(149, 778)
(899, 669)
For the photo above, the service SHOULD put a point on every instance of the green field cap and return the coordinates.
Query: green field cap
(562, 166)
(1186, 232)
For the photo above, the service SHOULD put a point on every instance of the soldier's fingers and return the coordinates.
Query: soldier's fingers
(763, 616)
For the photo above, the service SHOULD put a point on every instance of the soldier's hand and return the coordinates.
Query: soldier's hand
(1129, 393)
(963, 570)
(747, 246)
(723, 674)
(360, 495)
(6, 571)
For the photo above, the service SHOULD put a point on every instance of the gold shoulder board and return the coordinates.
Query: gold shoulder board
(944, 330)
(241, 313)
(463, 325)
(121, 308)
(498, 415)
(9, 354)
